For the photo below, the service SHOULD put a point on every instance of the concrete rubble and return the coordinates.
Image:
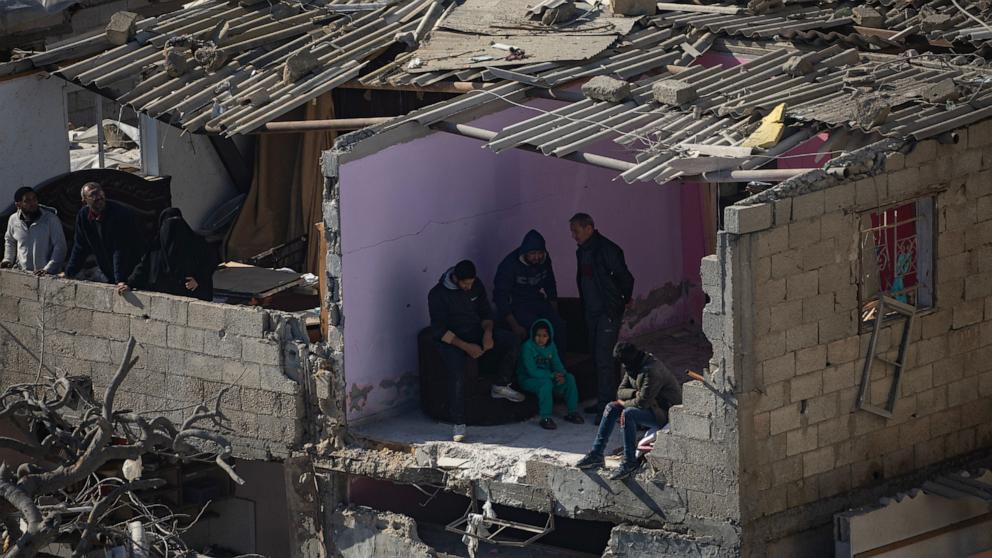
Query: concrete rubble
(361, 532)
(604, 88)
(121, 27)
(673, 92)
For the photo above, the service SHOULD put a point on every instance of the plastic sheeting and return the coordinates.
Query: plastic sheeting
(47, 6)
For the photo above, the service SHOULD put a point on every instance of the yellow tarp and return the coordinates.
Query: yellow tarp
(770, 131)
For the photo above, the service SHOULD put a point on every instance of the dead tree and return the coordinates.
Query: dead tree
(57, 496)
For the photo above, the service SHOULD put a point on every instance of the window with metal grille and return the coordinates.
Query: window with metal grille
(897, 256)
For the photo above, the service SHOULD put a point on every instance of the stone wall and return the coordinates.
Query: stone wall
(187, 352)
(806, 450)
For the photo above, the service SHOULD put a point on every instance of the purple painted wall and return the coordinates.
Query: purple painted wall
(412, 210)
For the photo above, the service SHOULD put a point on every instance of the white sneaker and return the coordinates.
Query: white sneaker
(506, 392)
(459, 433)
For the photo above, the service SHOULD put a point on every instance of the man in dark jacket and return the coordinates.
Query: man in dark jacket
(646, 393)
(109, 231)
(462, 324)
(525, 289)
(606, 287)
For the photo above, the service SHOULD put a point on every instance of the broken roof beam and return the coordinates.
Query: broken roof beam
(486, 135)
(762, 175)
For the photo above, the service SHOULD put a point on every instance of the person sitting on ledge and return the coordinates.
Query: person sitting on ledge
(647, 391)
(462, 324)
(542, 373)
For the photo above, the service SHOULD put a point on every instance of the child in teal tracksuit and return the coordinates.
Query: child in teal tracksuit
(541, 372)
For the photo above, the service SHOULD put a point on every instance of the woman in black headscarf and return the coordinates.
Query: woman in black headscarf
(181, 264)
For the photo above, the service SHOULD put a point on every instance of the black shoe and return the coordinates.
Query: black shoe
(623, 471)
(548, 423)
(574, 418)
(591, 461)
(594, 409)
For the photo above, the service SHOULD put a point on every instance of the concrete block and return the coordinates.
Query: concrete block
(784, 419)
(966, 315)
(838, 326)
(121, 27)
(699, 399)
(811, 359)
(801, 336)
(150, 332)
(773, 396)
(29, 312)
(803, 492)
(743, 219)
(208, 316)
(786, 263)
(272, 380)
(111, 326)
(94, 349)
(605, 88)
(808, 206)
(18, 284)
(673, 92)
(70, 320)
(779, 369)
(769, 346)
(962, 391)
(691, 425)
(866, 16)
(244, 374)
(978, 286)
(246, 321)
(262, 351)
(802, 285)
(711, 271)
(783, 211)
(60, 292)
(818, 461)
(818, 307)
(692, 477)
(633, 7)
(800, 441)
(222, 345)
(169, 309)
(132, 303)
(772, 241)
(843, 351)
(806, 386)
(804, 233)
(185, 338)
(95, 296)
(204, 367)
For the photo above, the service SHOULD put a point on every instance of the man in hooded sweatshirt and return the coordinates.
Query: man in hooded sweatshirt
(525, 289)
(462, 324)
(646, 393)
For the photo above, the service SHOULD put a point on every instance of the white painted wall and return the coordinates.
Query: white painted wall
(34, 144)
(199, 180)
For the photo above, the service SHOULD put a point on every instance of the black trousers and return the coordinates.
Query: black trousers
(501, 361)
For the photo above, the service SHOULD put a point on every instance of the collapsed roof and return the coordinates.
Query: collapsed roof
(887, 69)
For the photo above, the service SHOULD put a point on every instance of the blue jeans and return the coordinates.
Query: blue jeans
(632, 419)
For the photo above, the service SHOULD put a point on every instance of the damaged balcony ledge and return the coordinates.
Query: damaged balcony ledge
(533, 478)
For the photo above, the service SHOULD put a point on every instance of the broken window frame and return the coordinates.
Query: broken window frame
(925, 264)
(900, 310)
(460, 526)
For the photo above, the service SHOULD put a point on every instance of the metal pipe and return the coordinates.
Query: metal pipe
(100, 140)
(297, 126)
(763, 175)
(486, 135)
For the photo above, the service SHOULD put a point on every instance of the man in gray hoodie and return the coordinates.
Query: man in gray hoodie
(34, 240)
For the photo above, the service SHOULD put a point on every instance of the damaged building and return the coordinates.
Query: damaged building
(801, 191)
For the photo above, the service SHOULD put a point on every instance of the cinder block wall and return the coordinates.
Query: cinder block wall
(806, 451)
(187, 352)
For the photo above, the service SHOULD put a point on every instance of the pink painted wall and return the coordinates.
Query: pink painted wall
(411, 211)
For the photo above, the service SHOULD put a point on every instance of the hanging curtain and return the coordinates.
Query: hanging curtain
(287, 188)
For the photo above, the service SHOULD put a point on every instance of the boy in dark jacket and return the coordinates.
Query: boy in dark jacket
(647, 391)
(109, 231)
(462, 324)
(525, 289)
(542, 373)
